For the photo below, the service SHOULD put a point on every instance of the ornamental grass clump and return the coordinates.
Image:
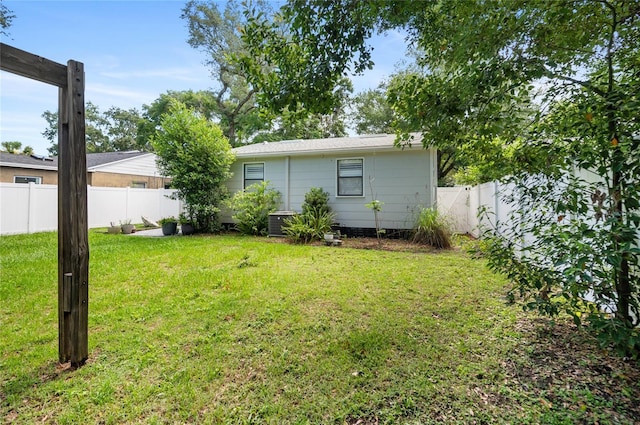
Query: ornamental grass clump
(432, 229)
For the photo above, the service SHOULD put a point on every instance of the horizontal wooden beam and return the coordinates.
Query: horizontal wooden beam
(32, 66)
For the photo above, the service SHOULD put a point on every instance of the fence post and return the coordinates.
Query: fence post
(126, 204)
(31, 210)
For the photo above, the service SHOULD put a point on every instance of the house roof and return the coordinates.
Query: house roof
(317, 146)
(28, 161)
(38, 162)
(95, 160)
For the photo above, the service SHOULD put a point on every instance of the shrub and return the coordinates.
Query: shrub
(316, 199)
(298, 229)
(312, 225)
(252, 207)
(433, 229)
(316, 218)
(197, 156)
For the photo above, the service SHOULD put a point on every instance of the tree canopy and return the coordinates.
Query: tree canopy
(113, 130)
(371, 113)
(217, 33)
(15, 147)
(234, 104)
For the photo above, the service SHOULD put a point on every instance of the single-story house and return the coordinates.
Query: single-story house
(353, 170)
(107, 169)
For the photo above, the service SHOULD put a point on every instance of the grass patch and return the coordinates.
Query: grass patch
(232, 329)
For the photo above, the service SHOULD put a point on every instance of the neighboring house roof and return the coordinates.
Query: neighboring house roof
(316, 146)
(38, 162)
(35, 162)
(103, 159)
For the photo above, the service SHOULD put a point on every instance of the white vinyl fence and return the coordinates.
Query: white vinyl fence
(29, 208)
(461, 205)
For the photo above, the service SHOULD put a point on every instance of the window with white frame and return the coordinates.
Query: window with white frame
(253, 173)
(350, 181)
(27, 179)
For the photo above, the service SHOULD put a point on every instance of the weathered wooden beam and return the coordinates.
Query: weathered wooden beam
(73, 236)
(73, 241)
(32, 66)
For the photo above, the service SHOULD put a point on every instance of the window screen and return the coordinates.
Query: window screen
(253, 173)
(350, 181)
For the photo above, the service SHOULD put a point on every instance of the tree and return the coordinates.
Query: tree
(16, 148)
(301, 124)
(12, 147)
(474, 124)
(122, 129)
(371, 112)
(197, 156)
(113, 130)
(201, 101)
(481, 59)
(218, 35)
(322, 46)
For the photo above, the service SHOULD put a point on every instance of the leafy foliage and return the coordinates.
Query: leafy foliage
(252, 207)
(432, 228)
(110, 131)
(372, 113)
(15, 147)
(306, 54)
(316, 199)
(316, 218)
(310, 226)
(200, 102)
(217, 33)
(198, 157)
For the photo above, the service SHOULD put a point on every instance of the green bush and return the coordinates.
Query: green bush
(298, 229)
(252, 207)
(198, 158)
(432, 229)
(316, 199)
(316, 218)
(312, 225)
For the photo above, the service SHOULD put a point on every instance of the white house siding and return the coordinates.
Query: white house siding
(143, 165)
(404, 180)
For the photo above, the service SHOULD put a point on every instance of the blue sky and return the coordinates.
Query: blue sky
(132, 51)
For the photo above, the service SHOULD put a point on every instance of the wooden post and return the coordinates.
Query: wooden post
(73, 241)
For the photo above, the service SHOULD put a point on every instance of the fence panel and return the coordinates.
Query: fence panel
(462, 205)
(453, 202)
(29, 208)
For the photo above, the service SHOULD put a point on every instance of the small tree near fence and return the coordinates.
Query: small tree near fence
(198, 157)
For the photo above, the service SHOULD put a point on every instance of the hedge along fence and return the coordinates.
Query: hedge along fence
(30, 208)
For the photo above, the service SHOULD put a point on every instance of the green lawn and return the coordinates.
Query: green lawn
(231, 329)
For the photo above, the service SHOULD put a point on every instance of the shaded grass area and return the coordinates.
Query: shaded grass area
(231, 329)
